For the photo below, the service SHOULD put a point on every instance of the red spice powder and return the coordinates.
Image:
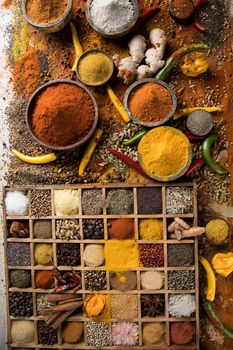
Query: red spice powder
(121, 229)
(44, 279)
(182, 333)
(63, 115)
(150, 102)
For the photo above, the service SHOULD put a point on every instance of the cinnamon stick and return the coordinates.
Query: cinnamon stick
(69, 300)
(65, 307)
(61, 319)
(60, 297)
(52, 318)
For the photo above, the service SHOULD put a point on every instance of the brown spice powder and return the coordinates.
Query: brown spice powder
(26, 74)
(182, 9)
(150, 102)
(46, 12)
(63, 115)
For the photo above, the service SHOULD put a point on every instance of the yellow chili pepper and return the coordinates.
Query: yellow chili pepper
(194, 65)
(186, 111)
(223, 263)
(211, 280)
(47, 158)
(77, 45)
(89, 151)
(117, 103)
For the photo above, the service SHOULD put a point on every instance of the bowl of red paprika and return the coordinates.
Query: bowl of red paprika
(62, 115)
(150, 102)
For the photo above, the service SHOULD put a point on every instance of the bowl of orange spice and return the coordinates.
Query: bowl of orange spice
(150, 102)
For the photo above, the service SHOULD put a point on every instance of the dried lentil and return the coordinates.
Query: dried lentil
(20, 304)
(149, 200)
(93, 229)
(92, 202)
(179, 200)
(68, 254)
(97, 334)
(41, 203)
(46, 334)
(151, 255)
(181, 280)
(18, 254)
(67, 229)
(120, 202)
(95, 280)
(124, 306)
(180, 254)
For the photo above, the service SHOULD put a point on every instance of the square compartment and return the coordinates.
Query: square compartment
(181, 305)
(18, 229)
(124, 306)
(150, 229)
(68, 229)
(41, 203)
(17, 203)
(180, 254)
(72, 332)
(42, 229)
(183, 333)
(120, 201)
(92, 202)
(93, 229)
(123, 281)
(93, 255)
(121, 229)
(171, 235)
(66, 202)
(43, 254)
(18, 254)
(95, 280)
(68, 254)
(179, 200)
(181, 280)
(151, 255)
(154, 334)
(149, 200)
(152, 305)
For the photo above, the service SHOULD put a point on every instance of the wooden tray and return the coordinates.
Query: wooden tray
(166, 318)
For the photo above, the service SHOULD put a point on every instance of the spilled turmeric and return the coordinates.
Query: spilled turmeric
(121, 255)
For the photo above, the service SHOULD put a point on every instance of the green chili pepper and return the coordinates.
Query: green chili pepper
(211, 312)
(177, 56)
(134, 140)
(206, 155)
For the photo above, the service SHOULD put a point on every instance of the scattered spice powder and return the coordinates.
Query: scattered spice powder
(27, 73)
(95, 68)
(151, 229)
(46, 12)
(182, 9)
(150, 103)
(121, 255)
(63, 115)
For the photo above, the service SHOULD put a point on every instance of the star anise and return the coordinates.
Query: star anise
(152, 305)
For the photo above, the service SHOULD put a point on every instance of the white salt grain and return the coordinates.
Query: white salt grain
(16, 203)
(181, 305)
(111, 16)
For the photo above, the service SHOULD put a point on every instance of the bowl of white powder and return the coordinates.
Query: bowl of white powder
(112, 18)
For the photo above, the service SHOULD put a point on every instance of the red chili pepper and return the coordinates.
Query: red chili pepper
(195, 165)
(79, 286)
(58, 275)
(198, 4)
(65, 287)
(128, 161)
(195, 138)
(145, 17)
(199, 26)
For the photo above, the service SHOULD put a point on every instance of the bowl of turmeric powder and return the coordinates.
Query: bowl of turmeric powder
(150, 102)
(218, 231)
(165, 153)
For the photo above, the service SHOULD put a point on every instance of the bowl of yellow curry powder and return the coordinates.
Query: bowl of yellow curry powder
(217, 231)
(165, 153)
(95, 67)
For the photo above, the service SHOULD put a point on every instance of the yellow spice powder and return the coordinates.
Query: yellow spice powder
(151, 229)
(164, 151)
(121, 255)
(95, 68)
(217, 230)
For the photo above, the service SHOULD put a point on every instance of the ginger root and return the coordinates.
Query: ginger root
(137, 47)
(127, 68)
(179, 229)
